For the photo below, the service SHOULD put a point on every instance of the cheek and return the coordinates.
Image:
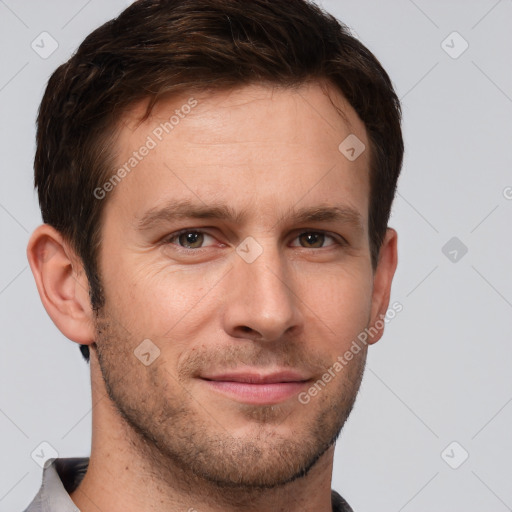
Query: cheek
(160, 300)
(341, 301)
(156, 299)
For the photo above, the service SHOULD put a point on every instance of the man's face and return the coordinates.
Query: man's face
(251, 298)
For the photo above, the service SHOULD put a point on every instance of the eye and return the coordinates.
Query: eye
(189, 239)
(196, 239)
(315, 239)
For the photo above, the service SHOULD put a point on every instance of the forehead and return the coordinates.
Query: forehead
(256, 147)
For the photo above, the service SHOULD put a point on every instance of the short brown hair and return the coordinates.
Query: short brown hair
(159, 47)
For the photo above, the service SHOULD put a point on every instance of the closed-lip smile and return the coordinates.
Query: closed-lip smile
(257, 387)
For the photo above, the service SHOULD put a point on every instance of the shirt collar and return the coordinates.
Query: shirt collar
(61, 476)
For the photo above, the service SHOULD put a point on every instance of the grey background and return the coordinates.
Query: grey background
(440, 374)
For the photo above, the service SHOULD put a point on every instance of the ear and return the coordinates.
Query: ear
(62, 284)
(382, 279)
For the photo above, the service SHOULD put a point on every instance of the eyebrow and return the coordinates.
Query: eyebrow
(188, 210)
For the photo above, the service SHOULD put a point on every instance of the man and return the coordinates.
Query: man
(215, 178)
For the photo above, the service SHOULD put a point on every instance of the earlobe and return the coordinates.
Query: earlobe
(61, 283)
(382, 280)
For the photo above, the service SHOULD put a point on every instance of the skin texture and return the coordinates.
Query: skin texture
(163, 438)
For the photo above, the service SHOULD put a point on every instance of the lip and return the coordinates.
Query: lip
(258, 377)
(257, 388)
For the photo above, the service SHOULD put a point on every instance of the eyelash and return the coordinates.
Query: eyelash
(338, 240)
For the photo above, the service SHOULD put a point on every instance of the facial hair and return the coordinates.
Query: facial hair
(174, 431)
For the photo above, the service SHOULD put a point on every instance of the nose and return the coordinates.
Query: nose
(261, 303)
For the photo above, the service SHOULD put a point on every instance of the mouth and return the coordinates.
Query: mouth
(257, 388)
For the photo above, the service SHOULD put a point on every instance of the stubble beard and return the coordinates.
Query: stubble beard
(181, 439)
